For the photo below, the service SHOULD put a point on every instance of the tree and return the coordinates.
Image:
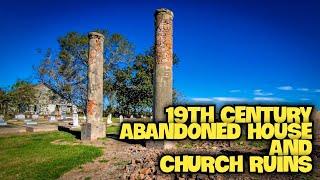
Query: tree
(3, 101)
(66, 71)
(18, 98)
(134, 85)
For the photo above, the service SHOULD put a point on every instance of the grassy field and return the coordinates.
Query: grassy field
(33, 156)
(113, 129)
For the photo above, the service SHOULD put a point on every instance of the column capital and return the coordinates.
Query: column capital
(163, 11)
(93, 35)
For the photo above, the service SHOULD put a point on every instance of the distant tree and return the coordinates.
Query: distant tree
(3, 101)
(18, 98)
(134, 85)
(66, 70)
(22, 95)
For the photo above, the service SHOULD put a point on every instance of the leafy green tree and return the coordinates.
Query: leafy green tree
(18, 98)
(65, 71)
(134, 85)
(3, 101)
(22, 95)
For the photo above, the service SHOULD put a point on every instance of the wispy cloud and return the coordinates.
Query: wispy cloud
(317, 90)
(305, 99)
(229, 99)
(238, 99)
(285, 88)
(269, 99)
(219, 99)
(259, 92)
(235, 91)
(302, 89)
(201, 99)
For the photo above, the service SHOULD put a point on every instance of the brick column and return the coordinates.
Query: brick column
(163, 64)
(94, 127)
(163, 68)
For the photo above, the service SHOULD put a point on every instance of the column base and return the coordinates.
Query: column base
(93, 131)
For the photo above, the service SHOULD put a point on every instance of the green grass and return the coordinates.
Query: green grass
(115, 120)
(113, 129)
(33, 156)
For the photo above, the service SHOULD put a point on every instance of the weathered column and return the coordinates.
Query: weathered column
(94, 127)
(163, 64)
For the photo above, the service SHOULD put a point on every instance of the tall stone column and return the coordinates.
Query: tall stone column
(94, 127)
(163, 65)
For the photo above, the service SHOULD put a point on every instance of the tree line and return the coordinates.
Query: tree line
(128, 77)
(17, 98)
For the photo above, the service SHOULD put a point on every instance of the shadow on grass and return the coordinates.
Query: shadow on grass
(116, 137)
(77, 135)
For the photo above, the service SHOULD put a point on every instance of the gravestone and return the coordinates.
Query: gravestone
(75, 120)
(35, 116)
(63, 109)
(75, 117)
(109, 119)
(20, 116)
(63, 116)
(30, 122)
(131, 117)
(120, 119)
(51, 108)
(2, 121)
(52, 118)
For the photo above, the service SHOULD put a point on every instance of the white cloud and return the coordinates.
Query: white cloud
(269, 99)
(259, 92)
(235, 91)
(229, 99)
(201, 99)
(317, 90)
(302, 89)
(285, 88)
(305, 99)
(219, 99)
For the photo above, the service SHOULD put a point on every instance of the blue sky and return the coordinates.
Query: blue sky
(251, 50)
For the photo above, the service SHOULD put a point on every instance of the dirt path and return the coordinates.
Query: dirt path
(111, 165)
(121, 160)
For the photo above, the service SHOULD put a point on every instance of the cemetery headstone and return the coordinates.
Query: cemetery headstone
(20, 116)
(109, 119)
(35, 116)
(64, 112)
(2, 122)
(120, 118)
(75, 117)
(51, 108)
(52, 118)
(30, 122)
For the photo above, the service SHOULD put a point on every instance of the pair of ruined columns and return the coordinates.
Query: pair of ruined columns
(94, 127)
